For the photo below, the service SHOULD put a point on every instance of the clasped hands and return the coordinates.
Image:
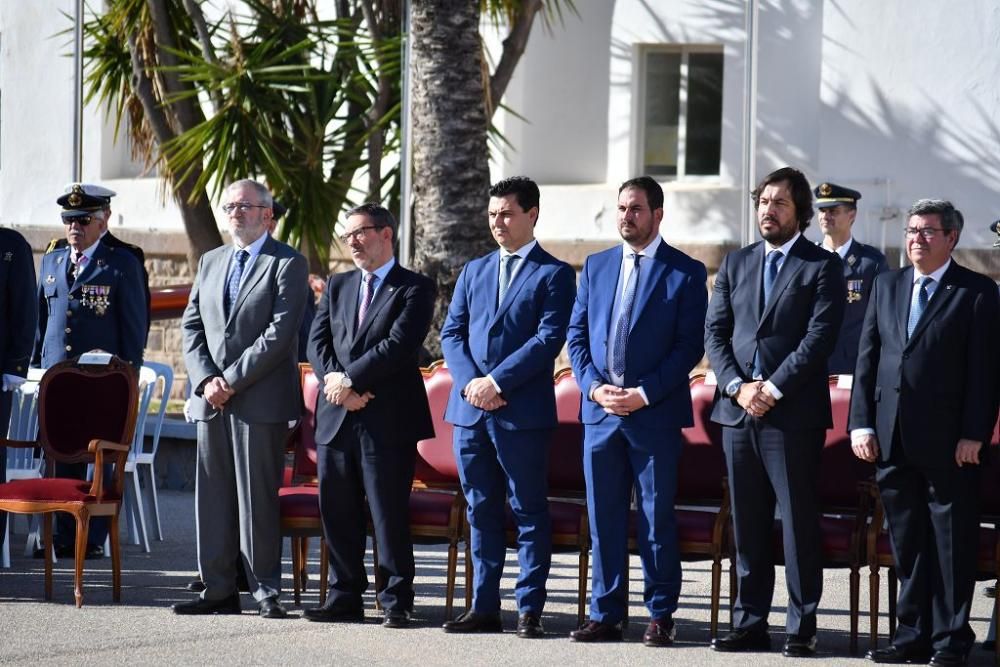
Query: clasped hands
(620, 401)
(336, 393)
(217, 391)
(481, 393)
(755, 398)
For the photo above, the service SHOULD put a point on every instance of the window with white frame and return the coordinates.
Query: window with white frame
(680, 111)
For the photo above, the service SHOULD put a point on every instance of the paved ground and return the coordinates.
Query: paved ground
(143, 631)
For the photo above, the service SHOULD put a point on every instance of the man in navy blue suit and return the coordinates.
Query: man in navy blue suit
(635, 335)
(837, 207)
(505, 326)
(772, 323)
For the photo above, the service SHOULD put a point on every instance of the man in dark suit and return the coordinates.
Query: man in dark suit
(240, 347)
(89, 297)
(838, 206)
(102, 196)
(363, 347)
(505, 326)
(923, 407)
(18, 318)
(772, 323)
(635, 334)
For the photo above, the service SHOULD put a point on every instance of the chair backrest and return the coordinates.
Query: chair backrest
(435, 464)
(165, 382)
(147, 384)
(23, 426)
(78, 403)
(703, 463)
(840, 469)
(304, 466)
(566, 476)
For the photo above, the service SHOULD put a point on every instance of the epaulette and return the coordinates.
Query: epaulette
(53, 245)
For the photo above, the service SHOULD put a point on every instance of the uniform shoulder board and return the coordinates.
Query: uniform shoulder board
(53, 245)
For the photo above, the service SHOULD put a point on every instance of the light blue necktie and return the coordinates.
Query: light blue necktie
(233, 286)
(625, 320)
(507, 267)
(918, 304)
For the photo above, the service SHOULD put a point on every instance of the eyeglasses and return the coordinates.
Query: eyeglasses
(82, 220)
(927, 232)
(241, 206)
(357, 233)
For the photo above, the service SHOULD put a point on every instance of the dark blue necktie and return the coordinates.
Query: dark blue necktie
(770, 273)
(235, 276)
(625, 320)
(918, 305)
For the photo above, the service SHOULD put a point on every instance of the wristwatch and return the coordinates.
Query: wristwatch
(345, 381)
(733, 388)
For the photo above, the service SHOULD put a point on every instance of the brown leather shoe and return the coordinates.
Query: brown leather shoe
(659, 632)
(595, 631)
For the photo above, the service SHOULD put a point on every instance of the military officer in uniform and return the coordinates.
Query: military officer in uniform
(838, 206)
(104, 194)
(90, 296)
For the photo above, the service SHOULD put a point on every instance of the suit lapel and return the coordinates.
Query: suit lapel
(791, 265)
(655, 267)
(904, 290)
(605, 294)
(96, 264)
(258, 269)
(942, 295)
(347, 300)
(383, 295)
(529, 265)
(755, 278)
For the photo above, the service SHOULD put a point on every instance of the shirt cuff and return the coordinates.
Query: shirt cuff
(858, 432)
(593, 387)
(774, 390)
(642, 392)
(12, 382)
(494, 383)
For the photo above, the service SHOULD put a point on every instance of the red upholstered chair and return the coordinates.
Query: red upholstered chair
(299, 496)
(71, 433)
(437, 506)
(702, 501)
(844, 501)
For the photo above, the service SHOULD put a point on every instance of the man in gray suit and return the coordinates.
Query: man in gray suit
(240, 347)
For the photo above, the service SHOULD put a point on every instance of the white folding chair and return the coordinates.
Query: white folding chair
(132, 500)
(146, 456)
(23, 463)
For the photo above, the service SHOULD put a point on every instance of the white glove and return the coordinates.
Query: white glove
(12, 382)
(187, 412)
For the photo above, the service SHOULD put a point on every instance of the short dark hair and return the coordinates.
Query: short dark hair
(378, 214)
(654, 193)
(802, 195)
(522, 187)
(951, 218)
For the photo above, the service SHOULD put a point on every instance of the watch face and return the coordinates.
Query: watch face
(346, 381)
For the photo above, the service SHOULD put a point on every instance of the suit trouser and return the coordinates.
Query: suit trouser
(497, 465)
(933, 515)
(240, 469)
(616, 458)
(353, 468)
(768, 466)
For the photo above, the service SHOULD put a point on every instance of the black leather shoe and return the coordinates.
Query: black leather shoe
(396, 618)
(229, 605)
(949, 657)
(798, 646)
(595, 631)
(470, 622)
(899, 655)
(335, 614)
(743, 640)
(659, 632)
(93, 552)
(529, 626)
(271, 608)
(989, 645)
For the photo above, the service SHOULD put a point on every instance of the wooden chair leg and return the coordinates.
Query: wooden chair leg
(82, 529)
(873, 584)
(468, 576)
(628, 591)
(855, 586)
(452, 574)
(303, 573)
(581, 605)
(892, 602)
(713, 627)
(732, 590)
(47, 536)
(324, 565)
(116, 556)
(296, 565)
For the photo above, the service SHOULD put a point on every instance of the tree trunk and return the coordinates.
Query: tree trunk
(451, 173)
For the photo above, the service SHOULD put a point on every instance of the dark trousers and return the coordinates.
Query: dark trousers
(767, 466)
(353, 469)
(933, 515)
(496, 465)
(97, 533)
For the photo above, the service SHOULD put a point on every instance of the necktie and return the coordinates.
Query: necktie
(918, 305)
(74, 265)
(507, 267)
(366, 302)
(625, 320)
(235, 276)
(771, 272)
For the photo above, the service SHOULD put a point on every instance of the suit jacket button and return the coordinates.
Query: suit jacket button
(69, 348)
(69, 313)
(229, 334)
(68, 330)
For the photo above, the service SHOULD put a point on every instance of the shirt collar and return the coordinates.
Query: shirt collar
(382, 271)
(842, 250)
(936, 275)
(253, 248)
(784, 247)
(648, 251)
(89, 252)
(521, 252)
